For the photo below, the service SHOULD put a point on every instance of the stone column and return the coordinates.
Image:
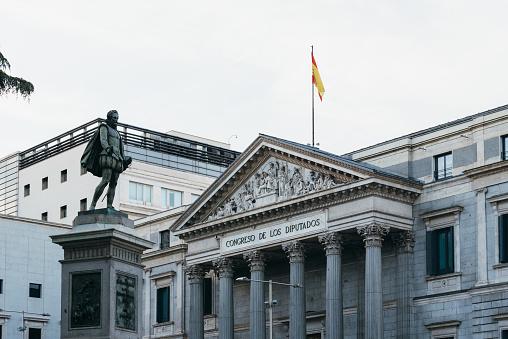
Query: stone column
(297, 318)
(224, 267)
(405, 243)
(373, 237)
(359, 253)
(481, 232)
(256, 261)
(333, 246)
(196, 274)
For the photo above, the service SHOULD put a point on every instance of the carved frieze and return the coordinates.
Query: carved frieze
(275, 181)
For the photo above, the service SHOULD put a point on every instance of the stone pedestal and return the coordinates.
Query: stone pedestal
(102, 277)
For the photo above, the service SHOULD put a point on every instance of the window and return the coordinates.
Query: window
(194, 197)
(35, 290)
(27, 190)
(164, 239)
(163, 304)
(170, 198)
(440, 253)
(1, 286)
(82, 170)
(82, 205)
(207, 296)
(504, 334)
(443, 166)
(44, 216)
(34, 333)
(63, 212)
(63, 176)
(504, 147)
(503, 238)
(140, 192)
(44, 183)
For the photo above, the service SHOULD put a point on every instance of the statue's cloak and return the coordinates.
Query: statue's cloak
(92, 153)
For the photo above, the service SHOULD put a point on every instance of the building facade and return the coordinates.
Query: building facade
(30, 278)
(403, 239)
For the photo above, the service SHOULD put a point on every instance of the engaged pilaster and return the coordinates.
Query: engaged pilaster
(405, 243)
(333, 244)
(373, 238)
(224, 268)
(196, 274)
(297, 319)
(257, 261)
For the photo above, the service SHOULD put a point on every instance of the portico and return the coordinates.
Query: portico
(302, 216)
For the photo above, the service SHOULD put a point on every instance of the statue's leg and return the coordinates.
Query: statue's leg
(112, 188)
(106, 177)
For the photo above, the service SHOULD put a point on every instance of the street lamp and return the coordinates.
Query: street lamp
(271, 302)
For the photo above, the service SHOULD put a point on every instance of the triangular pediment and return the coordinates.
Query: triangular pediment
(269, 172)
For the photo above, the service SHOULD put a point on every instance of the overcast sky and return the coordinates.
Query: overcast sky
(221, 68)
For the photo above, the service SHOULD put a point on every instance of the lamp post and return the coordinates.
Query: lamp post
(270, 302)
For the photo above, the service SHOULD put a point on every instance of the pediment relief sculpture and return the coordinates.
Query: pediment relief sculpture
(275, 181)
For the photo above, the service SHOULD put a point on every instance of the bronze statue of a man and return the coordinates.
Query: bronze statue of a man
(104, 157)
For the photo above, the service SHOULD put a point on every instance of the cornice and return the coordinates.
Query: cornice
(297, 206)
(164, 252)
(444, 211)
(490, 169)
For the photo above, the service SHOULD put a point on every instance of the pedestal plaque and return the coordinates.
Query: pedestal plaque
(101, 275)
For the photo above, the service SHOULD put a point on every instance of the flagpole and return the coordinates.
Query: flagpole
(312, 53)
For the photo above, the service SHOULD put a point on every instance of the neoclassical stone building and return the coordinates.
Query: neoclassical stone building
(403, 239)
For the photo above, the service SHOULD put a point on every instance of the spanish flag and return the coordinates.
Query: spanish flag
(316, 78)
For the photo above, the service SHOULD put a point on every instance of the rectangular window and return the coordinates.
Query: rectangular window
(34, 333)
(504, 147)
(440, 251)
(163, 304)
(504, 334)
(27, 190)
(443, 166)
(63, 176)
(44, 183)
(194, 197)
(44, 216)
(140, 192)
(170, 198)
(164, 239)
(503, 238)
(207, 296)
(35, 290)
(63, 212)
(1, 286)
(82, 205)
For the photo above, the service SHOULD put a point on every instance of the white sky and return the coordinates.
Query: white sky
(222, 68)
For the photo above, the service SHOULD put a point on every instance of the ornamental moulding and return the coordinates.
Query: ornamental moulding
(298, 205)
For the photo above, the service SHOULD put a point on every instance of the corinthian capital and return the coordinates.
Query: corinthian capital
(295, 251)
(224, 267)
(373, 234)
(332, 242)
(196, 273)
(405, 241)
(256, 259)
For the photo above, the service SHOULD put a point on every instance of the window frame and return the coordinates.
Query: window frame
(26, 190)
(166, 197)
(446, 175)
(160, 309)
(63, 176)
(164, 239)
(437, 256)
(44, 216)
(504, 147)
(45, 183)
(31, 287)
(83, 203)
(1, 286)
(144, 193)
(63, 212)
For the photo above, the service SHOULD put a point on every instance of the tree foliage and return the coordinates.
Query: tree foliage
(10, 84)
